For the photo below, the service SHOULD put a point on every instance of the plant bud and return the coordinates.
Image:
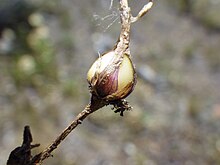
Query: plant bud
(112, 77)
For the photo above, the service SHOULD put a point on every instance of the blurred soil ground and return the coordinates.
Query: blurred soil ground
(44, 58)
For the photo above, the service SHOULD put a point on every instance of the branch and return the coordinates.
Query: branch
(122, 45)
(143, 11)
(90, 108)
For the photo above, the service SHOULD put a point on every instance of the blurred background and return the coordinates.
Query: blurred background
(46, 49)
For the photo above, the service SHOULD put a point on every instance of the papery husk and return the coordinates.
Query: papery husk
(113, 80)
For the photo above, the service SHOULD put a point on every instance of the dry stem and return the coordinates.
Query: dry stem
(90, 108)
(122, 45)
(143, 11)
(47, 152)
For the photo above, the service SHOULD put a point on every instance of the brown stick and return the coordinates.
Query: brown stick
(90, 108)
(143, 11)
(122, 45)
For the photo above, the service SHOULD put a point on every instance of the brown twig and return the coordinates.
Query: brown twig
(122, 45)
(94, 105)
(143, 11)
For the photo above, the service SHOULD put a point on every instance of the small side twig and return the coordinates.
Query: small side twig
(143, 11)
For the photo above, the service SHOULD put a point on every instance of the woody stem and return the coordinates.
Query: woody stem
(122, 45)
